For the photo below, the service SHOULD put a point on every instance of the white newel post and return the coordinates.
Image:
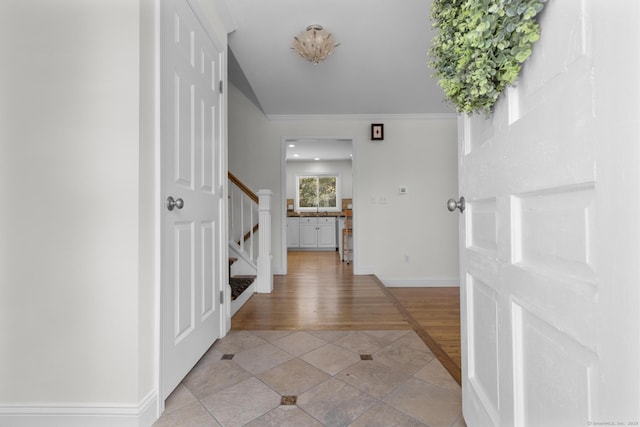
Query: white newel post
(265, 275)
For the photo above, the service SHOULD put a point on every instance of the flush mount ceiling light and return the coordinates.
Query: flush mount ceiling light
(314, 44)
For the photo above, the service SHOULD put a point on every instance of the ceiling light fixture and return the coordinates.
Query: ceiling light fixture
(314, 44)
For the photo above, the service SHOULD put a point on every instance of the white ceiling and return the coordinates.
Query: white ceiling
(380, 67)
(318, 148)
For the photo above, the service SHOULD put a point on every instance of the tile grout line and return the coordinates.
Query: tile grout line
(331, 376)
(435, 348)
(300, 357)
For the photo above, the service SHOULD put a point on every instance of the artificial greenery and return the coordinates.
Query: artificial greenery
(479, 48)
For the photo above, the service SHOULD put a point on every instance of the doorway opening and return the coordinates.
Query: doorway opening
(319, 185)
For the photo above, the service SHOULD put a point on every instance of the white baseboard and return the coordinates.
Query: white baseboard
(80, 415)
(428, 282)
(363, 270)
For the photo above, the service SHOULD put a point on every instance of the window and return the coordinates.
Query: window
(318, 193)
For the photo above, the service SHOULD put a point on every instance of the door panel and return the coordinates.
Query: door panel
(484, 360)
(326, 234)
(536, 401)
(183, 280)
(191, 162)
(553, 230)
(548, 237)
(308, 233)
(209, 273)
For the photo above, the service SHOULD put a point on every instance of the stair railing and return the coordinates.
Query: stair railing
(243, 217)
(250, 228)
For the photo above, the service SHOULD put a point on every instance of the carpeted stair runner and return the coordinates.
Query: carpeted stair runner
(239, 284)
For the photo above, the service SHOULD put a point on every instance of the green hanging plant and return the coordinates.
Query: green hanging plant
(480, 47)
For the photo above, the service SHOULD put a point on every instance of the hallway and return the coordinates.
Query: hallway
(320, 292)
(326, 348)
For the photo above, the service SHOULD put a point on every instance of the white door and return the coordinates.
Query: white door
(551, 232)
(191, 162)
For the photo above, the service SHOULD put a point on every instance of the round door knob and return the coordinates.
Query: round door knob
(452, 204)
(177, 203)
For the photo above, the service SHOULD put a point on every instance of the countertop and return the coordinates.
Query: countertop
(314, 214)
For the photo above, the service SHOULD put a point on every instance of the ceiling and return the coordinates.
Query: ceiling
(380, 67)
(325, 149)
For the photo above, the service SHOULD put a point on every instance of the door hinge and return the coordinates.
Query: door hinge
(221, 297)
(220, 86)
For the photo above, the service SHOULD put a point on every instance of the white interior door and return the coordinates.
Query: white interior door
(191, 162)
(550, 235)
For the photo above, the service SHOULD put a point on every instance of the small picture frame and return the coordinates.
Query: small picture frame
(377, 132)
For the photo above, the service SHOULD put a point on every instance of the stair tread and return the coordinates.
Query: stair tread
(239, 284)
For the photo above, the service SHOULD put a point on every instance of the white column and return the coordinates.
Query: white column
(265, 273)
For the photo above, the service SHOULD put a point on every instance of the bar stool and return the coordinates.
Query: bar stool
(347, 232)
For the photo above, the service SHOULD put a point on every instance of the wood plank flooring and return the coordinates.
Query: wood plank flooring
(437, 311)
(321, 293)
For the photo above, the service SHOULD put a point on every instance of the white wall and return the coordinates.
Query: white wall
(419, 153)
(77, 161)
(343, 167)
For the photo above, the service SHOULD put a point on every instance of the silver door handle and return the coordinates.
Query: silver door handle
(452, 205)
(177, 203)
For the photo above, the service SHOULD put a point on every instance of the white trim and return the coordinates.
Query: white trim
(202, 18)
(365, 270)
(242, 255)
(427, 282)
(276, 117)
(355, 255)
(157, 256)
(283, 270)
(284, 267)
(243, 298)
(143, 414)
(225, 16)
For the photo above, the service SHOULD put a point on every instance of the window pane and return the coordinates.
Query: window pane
(308, 192)
(327, 192)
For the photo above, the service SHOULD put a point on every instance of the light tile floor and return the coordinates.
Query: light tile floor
(316, 378)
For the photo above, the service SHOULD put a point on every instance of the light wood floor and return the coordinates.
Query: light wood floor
(321, 293)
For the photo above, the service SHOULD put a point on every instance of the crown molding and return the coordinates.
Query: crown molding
(367, 117)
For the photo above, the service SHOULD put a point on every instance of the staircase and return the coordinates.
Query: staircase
(242, 287)
(249, 243)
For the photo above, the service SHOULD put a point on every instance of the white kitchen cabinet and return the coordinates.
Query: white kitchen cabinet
(327, 232)
(308, 232)
(315, 233)
(293, 232)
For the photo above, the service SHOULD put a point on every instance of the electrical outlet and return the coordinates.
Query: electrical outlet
(383, 200)
(373, 200)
